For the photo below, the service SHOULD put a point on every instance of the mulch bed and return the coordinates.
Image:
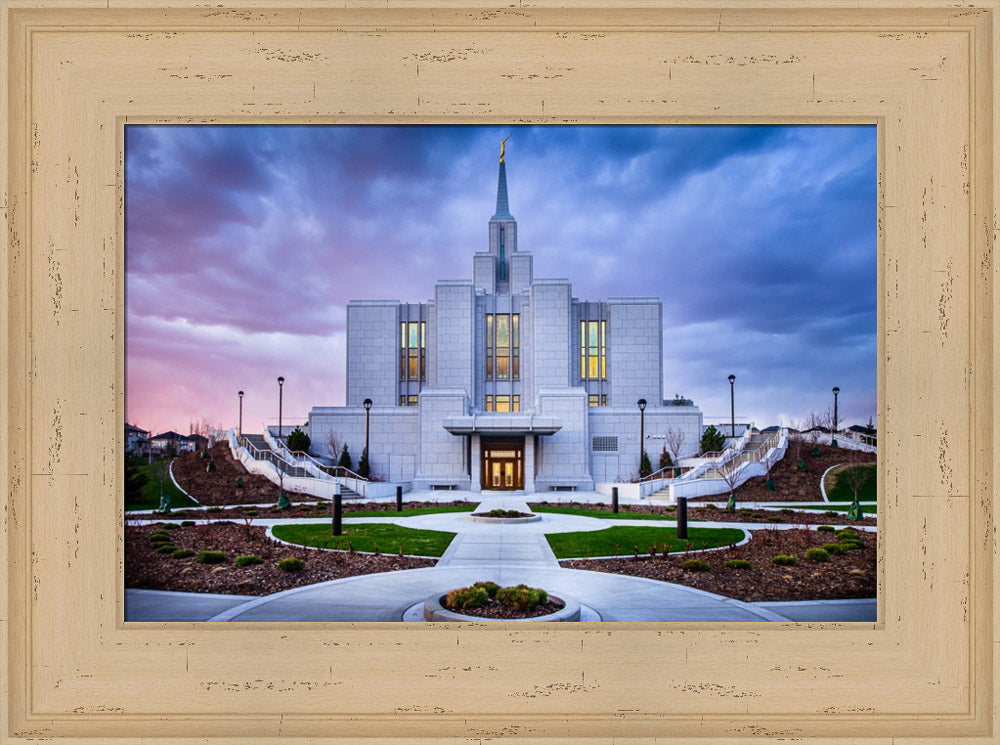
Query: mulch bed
(800, 517)
(791, 484)
(191, 472)
(145, 568)
(849, 575)
(316, 509)
(493, 609)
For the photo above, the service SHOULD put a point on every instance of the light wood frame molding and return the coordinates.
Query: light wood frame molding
(75, 72)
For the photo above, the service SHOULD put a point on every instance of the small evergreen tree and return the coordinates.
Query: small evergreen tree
(364, 469)
(135, 479)
(712, 440)
(298, 441)
(645, 466)
(665, 459)
(345, 459)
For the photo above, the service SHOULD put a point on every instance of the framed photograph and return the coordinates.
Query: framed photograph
(74, 78)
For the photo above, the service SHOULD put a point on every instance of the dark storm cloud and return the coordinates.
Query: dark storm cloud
(759, 240)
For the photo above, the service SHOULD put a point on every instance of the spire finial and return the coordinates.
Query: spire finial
(503, 144)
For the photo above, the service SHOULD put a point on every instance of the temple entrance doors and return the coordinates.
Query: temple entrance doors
(502, 465)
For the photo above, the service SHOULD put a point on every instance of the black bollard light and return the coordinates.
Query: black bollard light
(614, 499)
(338, 514)
(399, 499)
(682, 518)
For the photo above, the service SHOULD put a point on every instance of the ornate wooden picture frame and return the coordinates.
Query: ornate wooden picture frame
(76, 72)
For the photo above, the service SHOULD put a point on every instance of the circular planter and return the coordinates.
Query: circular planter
(484, 518)
(434, 611)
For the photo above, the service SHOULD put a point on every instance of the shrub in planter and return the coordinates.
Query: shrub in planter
(298, 440)
(466, 598)
(490, 587)
(160, 536)
(774, 519)
(738, 564)
(831, 513)
(170, 526)
(522, 597)
(182, 553)
(847, 533)
(783, 560)
(817, 554)
(833, 548)
(825, 528)
(787, 511)
(849, 545)
(695, 565)
(166, 548)
(187, 523)
(291, 564)
(214, 509)
(211, 557)
(248, 560)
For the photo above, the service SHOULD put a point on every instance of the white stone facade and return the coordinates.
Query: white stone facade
(505, 381)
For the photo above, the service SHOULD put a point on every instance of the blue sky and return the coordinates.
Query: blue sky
(244, 244)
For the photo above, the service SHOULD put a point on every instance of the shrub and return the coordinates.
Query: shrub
(787, 511)
(745, 511)
(214, 509)
(345, 459)
(298, 440)
(291, 564)
(847, 533)
(757, 514)
(160, 536)
(711, 506)
(670, 508)
(774, 519)
(712, 440)
(522, 597)
(783, 560)
(834, 548)
(849, 545)
(170, 526)
(466, 598)
(695, 565)
(665, 459)
(738, 564)
(166, 548)
(826, 528)
(831, 513)
(248, 560)
(364, 467)
(211, 557)
(645, 466)
(817, 554)
(187, 523)
(182, 553)
(490, 587)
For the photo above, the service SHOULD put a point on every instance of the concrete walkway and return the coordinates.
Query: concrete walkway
(506, 553)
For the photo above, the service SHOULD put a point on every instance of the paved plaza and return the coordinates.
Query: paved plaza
(506, 553)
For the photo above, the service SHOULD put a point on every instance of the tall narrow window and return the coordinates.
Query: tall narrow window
(593, 350)
(489, 403)
(503, 346)
(412, 350)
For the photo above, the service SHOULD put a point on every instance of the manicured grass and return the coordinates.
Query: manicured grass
(838, 485)
(624, 540)
(151, 492)
(825, 506)
(366, 537)
(606, 514)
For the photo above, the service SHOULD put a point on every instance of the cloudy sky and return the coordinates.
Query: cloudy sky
(244, 244)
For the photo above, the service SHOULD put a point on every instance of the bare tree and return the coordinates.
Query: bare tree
(858, 473)
(674, 438)
(160, 469)
(333, 444)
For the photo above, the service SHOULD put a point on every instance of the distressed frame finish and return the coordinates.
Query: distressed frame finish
(74, 75)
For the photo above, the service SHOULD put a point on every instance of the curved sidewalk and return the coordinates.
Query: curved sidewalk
(504, 553)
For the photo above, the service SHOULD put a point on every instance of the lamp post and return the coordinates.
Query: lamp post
(240, 394)
(732, 407)
(281, 386)
(641, 403)
(833, 433)
(367, 403)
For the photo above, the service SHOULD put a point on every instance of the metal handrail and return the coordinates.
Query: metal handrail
(756, 455)
(302, 455)
(655, 474)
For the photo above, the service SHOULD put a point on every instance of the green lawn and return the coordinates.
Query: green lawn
(607, 514)
(151, 492)
(410, 511)
(386, 538)
(624, 541)
(838, 487)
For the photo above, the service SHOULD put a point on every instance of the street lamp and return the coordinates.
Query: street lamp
(833, 434)
(641, 403)
(281, 386)
(732, 408)
(367, 403)
(240, 394)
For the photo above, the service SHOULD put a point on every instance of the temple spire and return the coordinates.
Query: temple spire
(503, 209)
